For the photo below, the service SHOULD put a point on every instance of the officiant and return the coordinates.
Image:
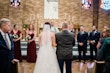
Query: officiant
(54, 29)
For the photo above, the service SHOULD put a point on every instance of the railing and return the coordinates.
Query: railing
(75, 49)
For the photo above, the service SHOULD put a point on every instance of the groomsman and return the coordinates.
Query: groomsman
(93, 40)
(82, 38)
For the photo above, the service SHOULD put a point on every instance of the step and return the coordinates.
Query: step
(75, 49)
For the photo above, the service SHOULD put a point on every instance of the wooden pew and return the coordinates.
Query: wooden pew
(99, 66)
(15, 68)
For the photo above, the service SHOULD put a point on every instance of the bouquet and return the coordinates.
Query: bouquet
(15, 36)
(28, 37)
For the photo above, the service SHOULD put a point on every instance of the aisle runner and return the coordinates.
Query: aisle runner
(91, 67)
(87, 68)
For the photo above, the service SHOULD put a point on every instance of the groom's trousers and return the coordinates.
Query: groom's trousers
(68, 64)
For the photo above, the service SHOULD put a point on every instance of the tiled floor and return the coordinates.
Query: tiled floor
(77, 67)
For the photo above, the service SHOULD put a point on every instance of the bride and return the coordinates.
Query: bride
(47, 60)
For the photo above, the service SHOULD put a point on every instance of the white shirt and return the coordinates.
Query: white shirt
(82, 32)
(7, 36)
(54, 29)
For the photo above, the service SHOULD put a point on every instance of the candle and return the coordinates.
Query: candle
(30, 18)
(37, 15)
(65, 15)
(68, 17)
(72, 19)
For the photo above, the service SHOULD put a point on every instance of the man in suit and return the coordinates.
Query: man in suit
(65, 41)
(6, 47)
(93, 41)
(82, 38)
(105, 54)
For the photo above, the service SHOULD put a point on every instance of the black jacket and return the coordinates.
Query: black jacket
(65, 41)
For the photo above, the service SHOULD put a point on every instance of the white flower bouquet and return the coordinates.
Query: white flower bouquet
(15, 36)
(28, 37)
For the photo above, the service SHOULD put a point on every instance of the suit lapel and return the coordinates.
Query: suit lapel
(1, 38)
(10, 37)
(2, 41)
(11, 40)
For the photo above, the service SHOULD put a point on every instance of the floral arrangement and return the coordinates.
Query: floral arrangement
(15, 36)
(28, 37)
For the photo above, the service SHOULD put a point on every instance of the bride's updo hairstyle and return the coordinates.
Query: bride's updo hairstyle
(47, 23)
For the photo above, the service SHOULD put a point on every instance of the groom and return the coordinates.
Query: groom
(65, 41)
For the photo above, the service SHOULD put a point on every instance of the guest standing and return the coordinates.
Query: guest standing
(17, 35)
(82, 38)
(93, 40)
(65, 41)
(105, 54)
(6, 47)
(101, 41)
(31, 46)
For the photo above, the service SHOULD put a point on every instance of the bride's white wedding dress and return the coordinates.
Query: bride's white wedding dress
(47, 60)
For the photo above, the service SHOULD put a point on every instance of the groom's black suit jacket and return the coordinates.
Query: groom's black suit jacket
(65, 41)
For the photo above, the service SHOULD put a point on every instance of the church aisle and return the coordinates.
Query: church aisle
(26, 67)
(77, 67)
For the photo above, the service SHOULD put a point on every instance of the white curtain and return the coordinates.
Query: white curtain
(50, 9)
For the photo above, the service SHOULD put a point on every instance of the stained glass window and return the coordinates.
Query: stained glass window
(105, 4)
(15, 3)
(86, 4)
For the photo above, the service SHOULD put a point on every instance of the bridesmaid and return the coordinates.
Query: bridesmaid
(17, 35)
(31, 46)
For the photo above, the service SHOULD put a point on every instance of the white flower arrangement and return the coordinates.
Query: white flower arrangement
(28, 37)
(15, 36)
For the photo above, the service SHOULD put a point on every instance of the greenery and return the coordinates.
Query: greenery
(25, 26)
